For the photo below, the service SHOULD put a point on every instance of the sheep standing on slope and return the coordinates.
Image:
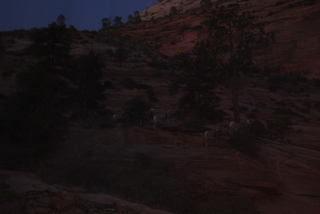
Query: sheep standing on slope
(212, 133)
(173, 113)
(118, 119)
(159, 118)
(234, 126)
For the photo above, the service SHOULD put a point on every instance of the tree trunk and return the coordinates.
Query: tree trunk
(235, 99)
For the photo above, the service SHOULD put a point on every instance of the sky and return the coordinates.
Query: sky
(82, 14)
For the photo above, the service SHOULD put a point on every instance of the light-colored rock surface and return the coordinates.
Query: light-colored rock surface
(39, 197)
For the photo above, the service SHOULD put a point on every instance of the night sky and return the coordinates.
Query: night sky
(82, 14)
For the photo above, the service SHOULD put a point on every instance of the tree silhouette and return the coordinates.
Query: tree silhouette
(2, 48)
(53, 42)
(130, 17)
(234, 36)
(61, 21)
(121, 54)
(206, 3)
(173, 10)
(32, 121)
(198, 81)
(106, 23)
(88, 72)
(117, 21)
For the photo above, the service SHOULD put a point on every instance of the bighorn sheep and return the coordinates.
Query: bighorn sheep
(173, 113)
(212, 133)
(159, 118)
(234, 126)
(118, 118)
(68, 114)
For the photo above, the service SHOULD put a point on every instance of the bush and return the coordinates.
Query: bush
(137, 111)
(243, 109)
(110, 52)
(277, 82)
(316, 82)
(162, 65)
(278, 3)
(197, 27)
(6, 193)
(38, 50)
(7, 73)
(129, 83)
(194, 123)
(280, 103)
(151, 95)
(257, 128)
(280, 128)
(255, 110)
(108, 84)
(244, 141)
(284, 111)
(174, 88)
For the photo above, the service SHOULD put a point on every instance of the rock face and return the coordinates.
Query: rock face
(39, 197)
(294, 24)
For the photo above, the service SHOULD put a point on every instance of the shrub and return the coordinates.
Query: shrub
(252, 115)
(129, 83)
(174, 88)
(279, 3)
(304, 110)
(316, 105)
(184, 28)
(280, 103)
(257, 128)
(194, 123)
(277, 82)
(151, 94)
(284, 111)
(108, 84)
(243, 109)
(158, 65)
(38, 50)
(197, 27)
(3, 96)
(307, 104)
(6, 193)
(255, 110)
(136, 111)
(109, 51)
(280, 128)
(7, 73)
(244, 141)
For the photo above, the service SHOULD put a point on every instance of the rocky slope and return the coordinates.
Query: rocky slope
(294, 25)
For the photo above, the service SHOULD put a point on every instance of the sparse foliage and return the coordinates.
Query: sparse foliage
(198, 80)
(244, 140)
(117, 21)
(61, 21)
(130, 17)
(121, 54)
(53, 42)
(233, 36)
(31, 120)
(87, 76)
(136, 111)
(106, 23)
(2, 48)
(173, 10)
(280, 128)
(206, 3)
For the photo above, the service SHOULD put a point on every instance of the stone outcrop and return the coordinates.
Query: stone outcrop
(36, 196)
